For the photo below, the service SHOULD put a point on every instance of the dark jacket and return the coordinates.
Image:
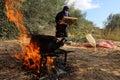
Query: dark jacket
(60, 16)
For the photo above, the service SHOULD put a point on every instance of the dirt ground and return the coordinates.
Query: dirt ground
(82, 63)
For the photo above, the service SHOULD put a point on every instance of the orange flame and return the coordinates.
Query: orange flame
(31, 56)
(14, 14)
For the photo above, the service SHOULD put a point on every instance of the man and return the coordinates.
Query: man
(60, 24)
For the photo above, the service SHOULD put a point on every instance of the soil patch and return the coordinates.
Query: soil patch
(83, 63)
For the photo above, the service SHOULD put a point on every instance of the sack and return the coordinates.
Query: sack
(91, 40)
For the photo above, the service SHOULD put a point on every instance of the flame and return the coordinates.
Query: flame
(14, 14)
(32, 58)
(31, 53)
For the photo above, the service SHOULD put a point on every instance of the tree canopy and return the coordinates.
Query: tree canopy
(112, 26)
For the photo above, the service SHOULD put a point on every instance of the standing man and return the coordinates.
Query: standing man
(61, 26)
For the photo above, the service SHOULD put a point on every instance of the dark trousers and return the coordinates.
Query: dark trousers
(61, 31)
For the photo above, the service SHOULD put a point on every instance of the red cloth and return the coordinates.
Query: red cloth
(102, 43)
(106, 44)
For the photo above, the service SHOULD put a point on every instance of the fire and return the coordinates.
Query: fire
(31, 53)
(14, 14)
(31, 57)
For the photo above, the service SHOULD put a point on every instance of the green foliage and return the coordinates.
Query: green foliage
(40, 14)
(77, 39)
(112, 27)
(82, 27)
